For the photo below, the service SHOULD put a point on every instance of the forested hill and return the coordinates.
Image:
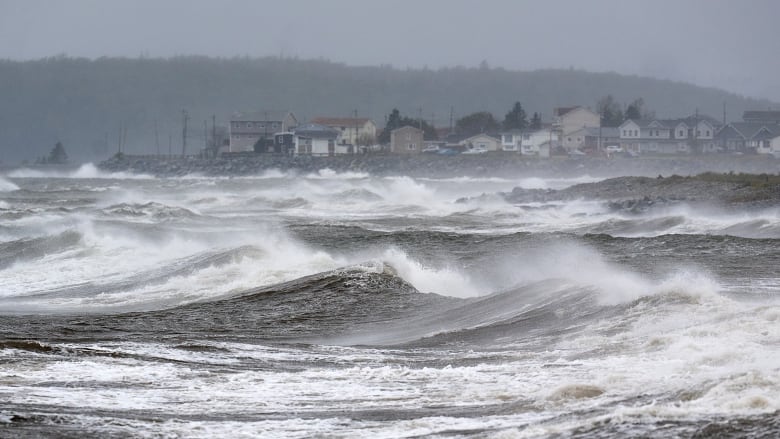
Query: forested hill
(84, 102)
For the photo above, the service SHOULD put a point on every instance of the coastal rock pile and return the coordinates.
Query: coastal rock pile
(493, 164)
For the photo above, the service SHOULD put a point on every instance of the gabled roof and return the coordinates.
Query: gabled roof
(406, 127)
(316, 131)
(750, 129)
(260, 116)
(761, 115)
(642, 123)
(560, 111)
(341, 121)
(481, 135)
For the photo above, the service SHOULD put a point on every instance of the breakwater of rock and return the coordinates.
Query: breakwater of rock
(498, 164)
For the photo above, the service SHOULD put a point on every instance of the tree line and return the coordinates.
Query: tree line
(90, 104)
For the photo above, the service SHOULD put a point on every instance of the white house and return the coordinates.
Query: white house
(774, 147)
(352, 130)
(481, 141)
(511, 140)
(538, 143)
(669, 136)
(314, 139)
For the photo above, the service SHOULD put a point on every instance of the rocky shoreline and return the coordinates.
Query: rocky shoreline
(494, 164)
(641, 194)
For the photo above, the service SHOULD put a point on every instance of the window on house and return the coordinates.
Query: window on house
(680, 133)
(698, 133)
(708, 133)
(624, 133)
(409, 136)
(249, 124)
(569, 139)
(412, 146)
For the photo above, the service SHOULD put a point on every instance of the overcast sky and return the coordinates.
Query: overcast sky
(729, 44)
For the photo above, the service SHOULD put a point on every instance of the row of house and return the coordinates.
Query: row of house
(280, 132)
(572, 129)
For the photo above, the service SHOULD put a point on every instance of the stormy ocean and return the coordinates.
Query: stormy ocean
(351, 305)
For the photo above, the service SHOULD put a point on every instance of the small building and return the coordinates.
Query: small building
(406, 140)
(774, 146)
(511, 140)
(352, 130)
(314, 139)
(745, 137)
(570, 119)
(481, 142)
(591, 138)
(538, 143)
(254, 131)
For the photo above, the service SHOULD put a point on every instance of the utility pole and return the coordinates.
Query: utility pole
(205, 136)
(170, 146)
(355, 140)
(185, 117)
(119, 140)
(124, 138)
(419, 117)
(156, 138)
(214, 134)
(452, 118)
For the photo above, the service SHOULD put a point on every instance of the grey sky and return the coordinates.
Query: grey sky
(724, 43)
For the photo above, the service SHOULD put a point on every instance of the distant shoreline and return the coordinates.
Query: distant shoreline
(497, 164)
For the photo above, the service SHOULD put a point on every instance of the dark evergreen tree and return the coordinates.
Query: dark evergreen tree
(475, 123)
(634, 110)
(609, 109)
(516, 119)
(536, 122)
(395, 120)
(58, 155)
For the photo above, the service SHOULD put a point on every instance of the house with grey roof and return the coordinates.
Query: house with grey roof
(762, 116)
(254, 131)
(746, 137)
(669, 136)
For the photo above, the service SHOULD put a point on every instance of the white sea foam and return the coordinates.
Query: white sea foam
(442, 281)
(85, 171)
(330, 174)
(7, 186)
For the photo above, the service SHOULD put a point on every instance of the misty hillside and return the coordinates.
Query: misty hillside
(83, 102)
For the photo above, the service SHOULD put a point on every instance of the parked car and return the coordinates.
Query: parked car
(612, 149)
(576, 153)
(431, 149)
(475, 151)
(446, 151)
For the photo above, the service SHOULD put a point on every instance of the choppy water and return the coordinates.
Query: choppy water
(354, 306)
